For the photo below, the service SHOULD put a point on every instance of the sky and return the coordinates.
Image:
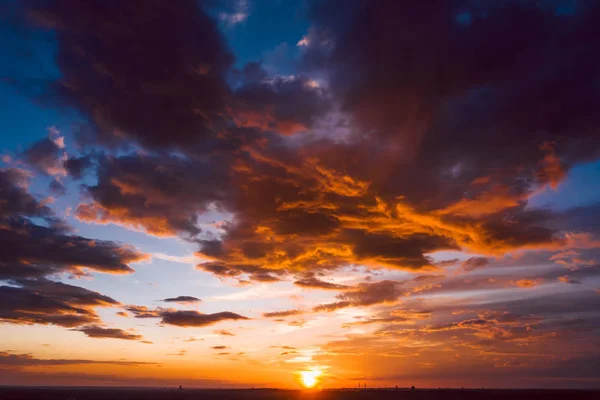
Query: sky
(270, 193)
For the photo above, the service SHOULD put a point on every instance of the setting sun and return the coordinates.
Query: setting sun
(309, 378)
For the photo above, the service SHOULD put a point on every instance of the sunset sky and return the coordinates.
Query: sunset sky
(267, 193)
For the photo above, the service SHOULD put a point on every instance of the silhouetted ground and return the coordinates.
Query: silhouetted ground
(272, 394)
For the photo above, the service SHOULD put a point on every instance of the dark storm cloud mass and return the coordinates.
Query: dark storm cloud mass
(408, 180)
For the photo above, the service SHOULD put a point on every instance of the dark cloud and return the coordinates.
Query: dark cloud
(99, 332)
(414, 92)
(45, 156)
(36, 245)
(328, 307)
(285, 105)
(161, 195)
(143, 311)
(474, 263)
(13, 360)
(45, 302)
(182, 299)
(282, 314)
(66, 379)
(16, 200)
(239, 272)
(405, 252)
(193, 340)
(77, 166)
(182, 317)
(219, 347)
(187, 318)
(397, 316)
(56, 188)
(408, 180)
(33, 250)
(168, 102)
(311, 281)
(366, 294)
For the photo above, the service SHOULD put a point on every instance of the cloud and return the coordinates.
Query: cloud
(192, 339)
(94, 331)
(193, 60)
(239, 272)
(36, 250)
(223, 332)
(180, 353)
(372, 293)
(187, 318)
(397, 174)
(366, 294)
(47, 156)
(567, 279)
(474, 263)
(328, 307)
(77, 166)
(183, 318)
(282, 314)
(165, 201)
(398, 316)
(313, 282)
(14, 360)
(285, 105)
(283, 347)
(238, 12)
(182, 300)
(91, 379)
(219, 347)
(143, 311)
(46, 302)
(527, 283)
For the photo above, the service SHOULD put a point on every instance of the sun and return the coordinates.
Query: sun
(309, 378)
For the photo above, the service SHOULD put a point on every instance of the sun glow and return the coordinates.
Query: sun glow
(309, 378)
